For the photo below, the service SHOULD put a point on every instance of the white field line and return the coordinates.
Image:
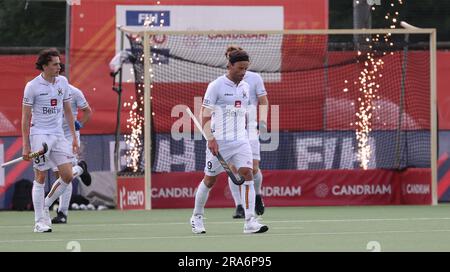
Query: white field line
(205, 236)
(241, 221)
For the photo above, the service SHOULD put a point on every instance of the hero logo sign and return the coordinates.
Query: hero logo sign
(131, 194)
(122, 198)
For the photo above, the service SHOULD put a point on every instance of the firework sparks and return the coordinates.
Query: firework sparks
(135, 120)
(368, 87)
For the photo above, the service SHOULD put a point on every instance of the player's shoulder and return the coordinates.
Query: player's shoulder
(75, 90)
(62, 79)
(252, 75)
(35, 81)
(34, 84)
(216, 82)
(219, 79)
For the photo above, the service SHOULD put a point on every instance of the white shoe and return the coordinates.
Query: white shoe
(197, 224)
(41, 227)
(253, 226)
(47, 220)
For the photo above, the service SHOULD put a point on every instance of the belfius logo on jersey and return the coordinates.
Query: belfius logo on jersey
(131, 194)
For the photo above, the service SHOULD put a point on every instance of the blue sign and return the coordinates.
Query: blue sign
(148, 17)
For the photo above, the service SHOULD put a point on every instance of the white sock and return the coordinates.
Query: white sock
(200, 199)
(78, 178)
(64, 200)
(235, 192)
(258, 181)
(38, 195)
(77, 171)
(58, 189)
(248, 198)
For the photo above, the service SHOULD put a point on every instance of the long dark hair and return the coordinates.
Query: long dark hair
(45, 56)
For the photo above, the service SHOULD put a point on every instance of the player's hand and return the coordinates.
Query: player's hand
(25, 152)
(213, 146)
(262, 127)
(78, 125)
(75, 147)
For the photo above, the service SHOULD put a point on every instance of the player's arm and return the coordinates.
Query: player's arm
(205, 116)
(263, 104)
(86, 116)
(83, 106)
(263, 108)
(209, 103)
(71, 122)
(26, 119)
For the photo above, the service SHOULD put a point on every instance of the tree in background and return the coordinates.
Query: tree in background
(42, 23)
(421, 13)
(32, 23)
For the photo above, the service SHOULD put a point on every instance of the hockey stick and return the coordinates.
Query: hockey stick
(224, 164)
(408, 26)
(31, 156)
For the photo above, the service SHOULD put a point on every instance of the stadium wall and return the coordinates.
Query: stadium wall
(98, 151)
(286, 188)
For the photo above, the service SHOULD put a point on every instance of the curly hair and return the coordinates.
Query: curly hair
(45, 56)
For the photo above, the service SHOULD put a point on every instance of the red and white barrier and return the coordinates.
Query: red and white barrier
(286, 188)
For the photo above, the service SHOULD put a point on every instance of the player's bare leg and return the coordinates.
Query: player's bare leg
(58, 188)
(236, 193)
(251, 224)
(64, 202)
(64, 199)
(257, 176)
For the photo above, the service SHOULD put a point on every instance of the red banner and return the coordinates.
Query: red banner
(130, 193)
(288, 188)
(443, 89)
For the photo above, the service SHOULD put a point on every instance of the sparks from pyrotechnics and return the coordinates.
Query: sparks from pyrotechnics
(135, 120)
(368, 87)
